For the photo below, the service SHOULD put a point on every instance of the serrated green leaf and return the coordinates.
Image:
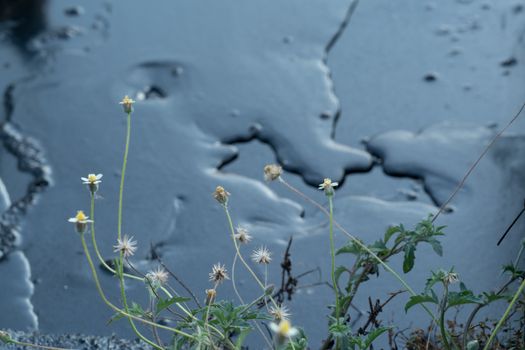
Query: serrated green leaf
(349, 248)
(373, 335)
(165, 303)
(419, 299)
(392, 230)
(462, 298)
(115, 317)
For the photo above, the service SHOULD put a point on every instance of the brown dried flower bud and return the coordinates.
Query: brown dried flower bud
(210, 296)
(272, 172)
(221, 195)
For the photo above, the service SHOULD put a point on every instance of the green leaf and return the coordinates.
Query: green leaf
(241, 337)
(392, 230)
(436, 246)
(410, 256)
(339, 271)
(373, 335)
(349, 248)
(419, 299)
(165, 303)
(136, 310)
(462, 298)
(115, 317)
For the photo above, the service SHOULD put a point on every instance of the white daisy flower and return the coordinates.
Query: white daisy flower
(261, 255)
(283, 330)
(92, 181)
(242, 235)
(158, 277)
(328, 186)
(80, 220)
(127, 104)
(218, 273)
(126, 245)
(280, 313)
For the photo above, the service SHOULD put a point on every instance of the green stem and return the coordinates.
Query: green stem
(442, 309)
(505, 315)
(126, 308)
(122, 176)
(359, 243)
(234, 284)
(117, 309)
(332, 255)
(230, 222)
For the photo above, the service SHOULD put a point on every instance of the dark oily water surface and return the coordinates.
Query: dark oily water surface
(224, 88)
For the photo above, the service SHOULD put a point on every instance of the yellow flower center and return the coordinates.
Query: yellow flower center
(127, 101)
(81, 216)
(92, 178)
(284, 327)
(327, 183)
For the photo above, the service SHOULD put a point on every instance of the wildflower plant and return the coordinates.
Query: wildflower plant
(225, 324)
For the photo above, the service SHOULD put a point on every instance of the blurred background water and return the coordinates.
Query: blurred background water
(395, 100)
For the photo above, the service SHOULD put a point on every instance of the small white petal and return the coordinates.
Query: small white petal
(293, 332)
(84, 179)
(274, 327)
(72, 220)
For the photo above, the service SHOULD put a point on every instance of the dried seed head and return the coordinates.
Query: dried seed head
(157, 277)
(328, 186)
(242, 235)
(261, 256)
(272, 172)
(451, 277)
(127, 246)
(218, 273)
(127, 104)
(280, 313)
(221, 195)
(210, 296)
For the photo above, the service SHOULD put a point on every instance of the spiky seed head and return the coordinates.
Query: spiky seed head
(280, 313)
(127, 246)
(218, 273)
(261, 255)
(157, 277)
(243, 235)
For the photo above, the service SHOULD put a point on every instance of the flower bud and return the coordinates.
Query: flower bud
(210, 296)
(5, 337)
(272, 172)
(221, 195)
(127, 104)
